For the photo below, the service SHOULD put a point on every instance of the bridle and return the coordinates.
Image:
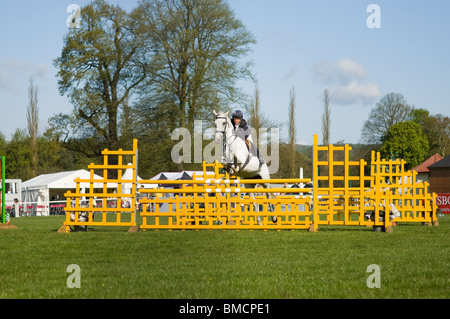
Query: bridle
(225, 126)
(224, 139)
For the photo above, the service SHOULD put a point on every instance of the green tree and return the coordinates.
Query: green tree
(101, 65)
(436, 128)
(405, 140)
(18, 156)
(391, 109)
(53, 157)
(200, 46)
(172, 60)
(3, 145)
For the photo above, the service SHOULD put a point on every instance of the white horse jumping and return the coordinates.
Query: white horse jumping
(237, 157)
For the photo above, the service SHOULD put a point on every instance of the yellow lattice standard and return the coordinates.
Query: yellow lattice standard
(106, 201)
(387, 196)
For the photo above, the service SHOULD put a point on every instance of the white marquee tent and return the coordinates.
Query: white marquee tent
(128, 175)
(37, 190)
(126, 187)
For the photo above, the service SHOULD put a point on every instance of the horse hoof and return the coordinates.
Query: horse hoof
(258, 220)
(274, 219)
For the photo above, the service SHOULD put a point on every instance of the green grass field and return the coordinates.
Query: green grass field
(332, 263)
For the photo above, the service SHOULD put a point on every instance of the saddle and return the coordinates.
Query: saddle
(249, 145)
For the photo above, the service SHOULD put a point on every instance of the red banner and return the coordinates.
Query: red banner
(443, 201)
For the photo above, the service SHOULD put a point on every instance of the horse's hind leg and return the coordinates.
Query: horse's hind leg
(256, 209)
(255, 205)
(265, 175)
(270, 206)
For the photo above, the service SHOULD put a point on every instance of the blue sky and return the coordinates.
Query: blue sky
(307, 45)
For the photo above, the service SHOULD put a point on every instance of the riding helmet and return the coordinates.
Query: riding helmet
(238, 115)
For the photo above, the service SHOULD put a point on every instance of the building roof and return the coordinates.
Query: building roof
(423, 167)
(185, 175)
(443, 163)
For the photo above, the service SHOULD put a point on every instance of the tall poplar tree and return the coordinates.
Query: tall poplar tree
(292, 132)
(33, 125)
(326, 119)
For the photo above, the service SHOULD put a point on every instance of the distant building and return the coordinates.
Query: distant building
(422, 169)
(440, 176)
(440, 183)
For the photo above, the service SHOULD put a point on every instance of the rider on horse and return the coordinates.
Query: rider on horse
(242, 130)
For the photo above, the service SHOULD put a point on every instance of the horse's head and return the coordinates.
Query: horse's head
(222, 123)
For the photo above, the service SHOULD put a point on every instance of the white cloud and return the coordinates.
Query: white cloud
(15, 73)
(41, 70)
(3, 80)
(347, 81)
(292, 72)
(354, 92)
(349, 70)
(323, 72)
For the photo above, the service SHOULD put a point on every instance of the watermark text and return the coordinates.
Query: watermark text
(74, 279)
(374, 280)
(74, 19)
(374, 19)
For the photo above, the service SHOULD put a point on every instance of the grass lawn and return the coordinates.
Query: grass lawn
(414, 262)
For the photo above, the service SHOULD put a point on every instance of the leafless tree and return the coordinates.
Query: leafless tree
(33, 124)
(326, 119)
(255, 113)
(292, 132)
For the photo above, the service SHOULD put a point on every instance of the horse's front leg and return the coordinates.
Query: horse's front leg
(271, 207)
(254, 204)
(228, 168)
(256, 208)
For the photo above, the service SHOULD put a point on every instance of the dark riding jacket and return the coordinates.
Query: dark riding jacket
(243, 131)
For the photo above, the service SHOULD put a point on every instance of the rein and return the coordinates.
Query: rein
(224, 140)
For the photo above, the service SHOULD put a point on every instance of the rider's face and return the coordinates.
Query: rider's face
(236, 121)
